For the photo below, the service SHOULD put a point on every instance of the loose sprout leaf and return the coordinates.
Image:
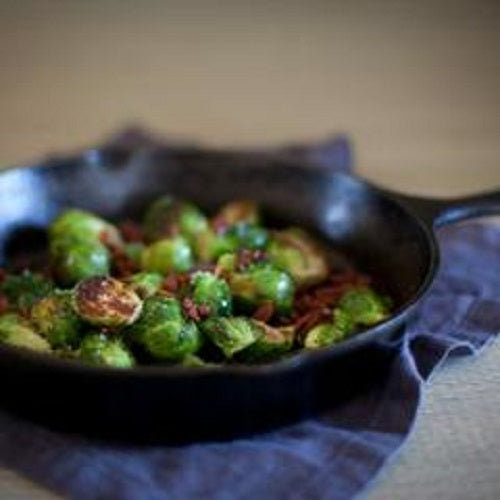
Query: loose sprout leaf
(271, 344)
(245, 211)
(364, 306)
(231, 335)
(145, 284)
(16, 331)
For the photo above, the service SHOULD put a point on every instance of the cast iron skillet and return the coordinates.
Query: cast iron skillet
(387, 235)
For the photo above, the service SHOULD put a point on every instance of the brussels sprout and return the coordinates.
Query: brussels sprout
(105, 301)
(326, 334)
(97, 349)
(238, 211)
(363, 306)
(263, 283)
(25, 289)
(171, 340)
(73, 260)
(83, 226)
(167, 217)
(231, 335)
(146, 284)
(155, 311)
(294, 251)
(16, 331)
(271, 344)
(172, 254)
(212, 291)
(54, 318)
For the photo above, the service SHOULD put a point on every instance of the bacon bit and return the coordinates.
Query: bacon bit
(171, 284)
(264, 312)
(4, 304)
(131, 231)
(245, 258)
(123, 265)
(190, 309)
(194, 311)
(204, 310)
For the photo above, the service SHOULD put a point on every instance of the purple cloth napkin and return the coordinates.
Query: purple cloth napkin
(333, 456)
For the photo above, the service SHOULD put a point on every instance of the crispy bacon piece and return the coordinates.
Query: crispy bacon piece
(131, 231)
(264, 312)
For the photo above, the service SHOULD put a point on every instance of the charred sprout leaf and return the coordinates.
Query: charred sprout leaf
(164, 256)
(97, 349)
(167, 217)
(146, 284)
(105, 301)
(294, 251)
(239, 211)
(73, 260)
(155, 311)
(16, 331)
(213, 292)
(83, 226)
(25, 289)
(54, 318)
(364, 306)
(272, 343)
(171, 340)
(263, 283)
(231, 335)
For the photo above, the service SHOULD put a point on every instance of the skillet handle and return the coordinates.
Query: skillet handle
(435, 212)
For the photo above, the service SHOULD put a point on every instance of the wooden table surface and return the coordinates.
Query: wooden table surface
(416, 85)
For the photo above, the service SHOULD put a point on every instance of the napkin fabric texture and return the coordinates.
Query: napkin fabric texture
(333, 456)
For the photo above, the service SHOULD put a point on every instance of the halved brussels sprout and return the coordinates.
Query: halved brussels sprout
(16, 331)
(294, 251)
(213, 292)
(263, 283)
(98, 349)
(164, 256)
(105, 301)
(54, 318)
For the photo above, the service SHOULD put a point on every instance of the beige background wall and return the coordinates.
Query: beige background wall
(415, 84)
